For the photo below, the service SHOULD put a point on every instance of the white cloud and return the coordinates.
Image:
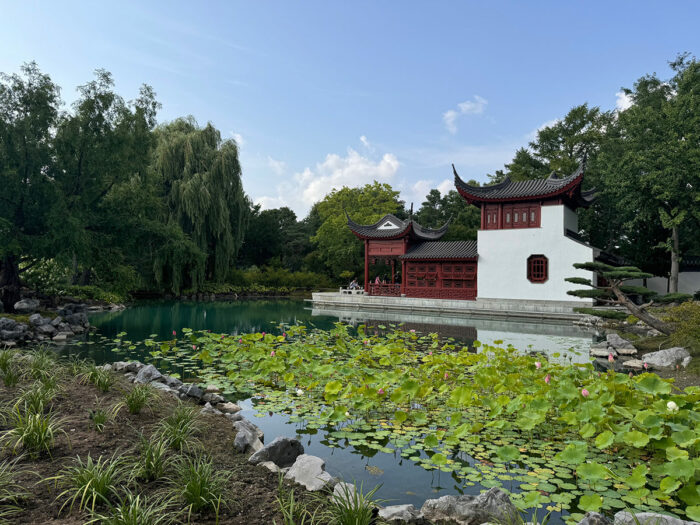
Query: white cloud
(533, 134)
(446, 186)
(365, 142)
(238, 138)
(468, 107)
(623, 101)
(278, 166)
(312, 184)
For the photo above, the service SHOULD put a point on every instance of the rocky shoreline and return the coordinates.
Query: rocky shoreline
(286, 456)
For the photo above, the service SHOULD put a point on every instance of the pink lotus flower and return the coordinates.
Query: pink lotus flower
(240, 340)
(194, 347)
(538, 365)
(222, 336)
(272, 354)
(174, 332)
(547, 378)
(646, 366)
(430, 353)
(380, 391)
(447, 375)
(585, 393)
(284, 334)
(412, 331)
(610, 357)
(366, 342)
(263, 334)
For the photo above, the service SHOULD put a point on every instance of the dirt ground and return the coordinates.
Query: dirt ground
(252, 490)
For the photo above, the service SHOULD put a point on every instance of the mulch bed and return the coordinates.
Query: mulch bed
(252, 491)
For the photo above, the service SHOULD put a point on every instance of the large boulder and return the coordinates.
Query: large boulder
(310, 471)
(668, 358)
(172, 382)
(191, 390)
(38, 320)
(623, 346)
(648, 518)
(46, 330)
(246, 439)
(147, 374)
(493, 505)
(243, 423)
(594, 518)
(7, 324)
(282, 451)
(80, 319)
(408, 514)
(26, 306)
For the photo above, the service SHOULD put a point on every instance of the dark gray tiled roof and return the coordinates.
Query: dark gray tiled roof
(373, 231)
(442, 250)
(525, 189)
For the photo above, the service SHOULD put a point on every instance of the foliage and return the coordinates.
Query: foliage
(35, 433)
(336, 246)
(457, 411)
(198, 484)
(36, 399)
(136, 398)
(11, 492)
(101, 416)
(101, 378)
(436, 210)
(91, 483)
(134, 509)
(293, 511)
(153, 459)
(42, 364)
(179, 428)
(605, 314)
(352, 506)
(686, 318)
(674, 298)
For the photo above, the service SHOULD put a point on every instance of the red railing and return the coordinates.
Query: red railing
(391, 290)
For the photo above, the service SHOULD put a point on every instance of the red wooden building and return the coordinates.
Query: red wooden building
(429, 267)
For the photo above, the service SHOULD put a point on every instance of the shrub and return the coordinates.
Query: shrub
(179, 428)
(686, 319)
(137, 398)
(293, 511)
(92, 293)
(101, 378)
(674, 298)
(135, 510)
(43, 364)
(34, 433)
(100, 416)
(11, 492)
(91, 483)
(153, 460)
(36, 399)
(198, 485)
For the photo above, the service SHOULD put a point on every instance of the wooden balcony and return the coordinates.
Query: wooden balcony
(387, 290)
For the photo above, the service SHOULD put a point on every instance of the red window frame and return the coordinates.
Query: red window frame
(537, 268)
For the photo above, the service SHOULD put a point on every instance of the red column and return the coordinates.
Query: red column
(403, 276)
(392, 271)
(366, 266)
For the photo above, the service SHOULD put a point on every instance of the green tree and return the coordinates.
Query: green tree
(651, 160)
(29, 220)
(201, 181)
(436, 210)
(336, 246)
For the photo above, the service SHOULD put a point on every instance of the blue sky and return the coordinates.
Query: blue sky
(328, 93)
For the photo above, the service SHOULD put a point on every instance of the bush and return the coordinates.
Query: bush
(91, 483)
(605, 314)
(137, 398)
(33, 433)
(91, 293)
(180, 427)
(686, 318)
(135, 510)
(198, 484)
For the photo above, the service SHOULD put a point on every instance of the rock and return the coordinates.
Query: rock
(602, 352)
(686, 362)
(211, 389)
(310, 471)
(246, 439)
(134, 366)
(107, 367)
(77, 329)
(62, 337)
(81, 319)
(282, 451)
(130, 376)
(594, 518)
(64, 327)
(269, 465)
(38, 320)
(191, 390)
(648, 518)
(56, 321)
(148, 374)
(493, 505)
(402, 514)
(119, 366)
(46, 329)
(637, 364)
(243, 423)
(7, 324)
(171, 381)
(163, 387)
(627, 350)
(12, 335)
(603, 345)
(228, 407)
(213, 398)
(344, 492)
(668, 358)
(234, 417)
(618, 342)
(26, 306)
(208, 409)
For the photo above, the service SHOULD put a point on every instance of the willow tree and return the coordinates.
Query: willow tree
(201, 178)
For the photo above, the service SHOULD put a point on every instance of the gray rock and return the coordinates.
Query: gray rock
(134, 366)
(594, 518)
(618, 342)
(282, 451)
(493, 505)
(57, 321)
(12, 335)
(7, 324)
(172, 382)
(686, 361)
(106, 367)
(213, 398)
(26, 306)
(243, 423)
(46, 329)
(191, 390)
(269, 465)
(80, 319)
(163, 387)
(64, 327)
(76, 329)
(119, 366)
(228, 407)
(62, 337)
(402, 514)
(245, 440)
(38, 320)
(130, 376)
(148, 374)
(208, 409)
(626, 350)
(344, 492)
(234, 417)
(668, 358)
(211, 389)
(310, 471)
(648, 518)
(637, 364)
(602, 345)
(603, 352)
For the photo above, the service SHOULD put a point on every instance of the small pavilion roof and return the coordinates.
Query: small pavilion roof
(528, 190)
(442, 250)
(391, 227)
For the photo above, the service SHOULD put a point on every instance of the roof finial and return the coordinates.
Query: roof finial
(410, 213)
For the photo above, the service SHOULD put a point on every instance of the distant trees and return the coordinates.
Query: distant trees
(437, 209)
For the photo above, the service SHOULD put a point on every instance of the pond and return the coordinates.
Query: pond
(403, 480)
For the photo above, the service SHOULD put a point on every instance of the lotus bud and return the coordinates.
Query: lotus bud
(447, 374)
(538, 365)
(174, 332)
(610, 357)
(646, 366)
(547, 378)
(380, 391)
(300, 392)
(672, 407)
(585, 393)
(347, 414)
(272, 354)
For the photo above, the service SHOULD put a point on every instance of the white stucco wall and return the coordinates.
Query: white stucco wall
(503, 257)
(688, 282)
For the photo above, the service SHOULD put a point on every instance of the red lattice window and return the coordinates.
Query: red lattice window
(537, 268)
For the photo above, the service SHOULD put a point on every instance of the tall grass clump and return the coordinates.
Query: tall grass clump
(34, 433)
(11, 375)
(91, 483)
(11, 492)
(100, 416)
(138, 397)
(352, 506)
(153, 460)
(7, 359)
(180, 427)
(37, 398)
(101, 378)
(293, 511)
(198, 485)
(43, 364)
(135, 510)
